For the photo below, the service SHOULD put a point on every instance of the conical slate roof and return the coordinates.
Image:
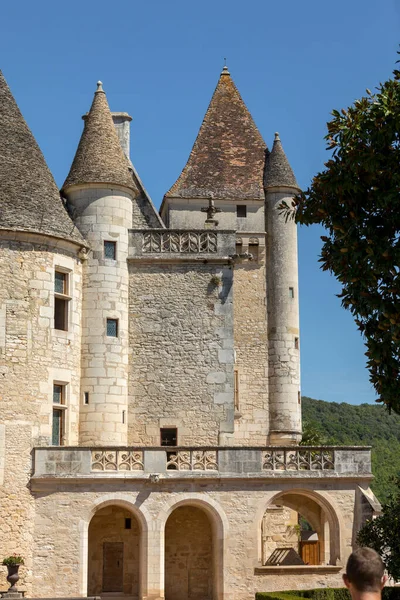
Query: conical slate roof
(29, 197)
(228, 156)
(278, 172)
(99, 157)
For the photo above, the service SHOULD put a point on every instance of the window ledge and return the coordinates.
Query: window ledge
(297, 569)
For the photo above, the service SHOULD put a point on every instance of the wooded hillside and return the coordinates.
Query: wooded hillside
(363, 425)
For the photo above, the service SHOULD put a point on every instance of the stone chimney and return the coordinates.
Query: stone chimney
(122, 125)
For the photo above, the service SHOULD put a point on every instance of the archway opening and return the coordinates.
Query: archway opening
(114, 553)
(297, 529)
(189, 555)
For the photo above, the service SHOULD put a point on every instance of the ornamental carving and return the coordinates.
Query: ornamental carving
(282, 459)
(176, 242)
(117, 460)
(192, 460)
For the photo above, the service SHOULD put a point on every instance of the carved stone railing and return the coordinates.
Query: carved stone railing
(169, 241)
(200, 462)
(192, 460)
(117, 460)
(299, 459)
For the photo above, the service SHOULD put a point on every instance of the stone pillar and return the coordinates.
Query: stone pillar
(104, 215)
(283, 321)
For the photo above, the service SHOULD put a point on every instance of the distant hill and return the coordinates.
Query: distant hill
(364, 425)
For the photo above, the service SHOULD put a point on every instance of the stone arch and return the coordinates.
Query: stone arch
(219, 525)
(328, 508)
(143, 518)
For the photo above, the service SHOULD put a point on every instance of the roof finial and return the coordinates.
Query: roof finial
(99, 86)
(225, 69)
(277, 138)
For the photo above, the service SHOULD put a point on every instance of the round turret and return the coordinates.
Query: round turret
(99, 189)
(283, 302)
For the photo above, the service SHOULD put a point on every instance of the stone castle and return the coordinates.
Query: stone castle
(150, 409)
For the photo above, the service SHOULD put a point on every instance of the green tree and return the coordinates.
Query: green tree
(356, 198)
(383, 535)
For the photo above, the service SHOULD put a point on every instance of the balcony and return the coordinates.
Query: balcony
(201, 462)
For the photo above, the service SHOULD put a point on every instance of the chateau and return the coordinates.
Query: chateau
(150, 409)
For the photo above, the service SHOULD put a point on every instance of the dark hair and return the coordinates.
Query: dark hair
(365, 570)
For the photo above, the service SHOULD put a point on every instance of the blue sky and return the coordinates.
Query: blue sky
(292, 61)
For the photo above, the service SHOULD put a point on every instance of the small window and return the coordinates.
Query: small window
(296, 343)
(61, 300)
(58, 424)
(85, 397)
(110, 250)
(241, 211)
(299, 397)
(291, 292)
(128, 523)
(168, 436)
(236, 388)
(112, 327)
(123, 417)
(60, 283)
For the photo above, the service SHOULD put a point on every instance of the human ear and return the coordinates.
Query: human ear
(346, 580)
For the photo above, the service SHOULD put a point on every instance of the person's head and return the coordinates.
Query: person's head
(364, 571)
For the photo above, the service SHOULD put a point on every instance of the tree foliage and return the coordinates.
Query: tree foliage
(383, 535)
(365, 425)
(356, 198)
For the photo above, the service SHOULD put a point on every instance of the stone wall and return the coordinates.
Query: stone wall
(108, 526)
(188, 555)
(283, 322)
(251, 344)
(278, 530)
(104, 214)
(181, 344)
(235, 509)
(33, 355)
(187, 214)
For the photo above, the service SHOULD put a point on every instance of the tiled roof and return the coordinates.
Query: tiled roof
(228, 156)
(99, 157)
(278, 172)
(29, 197)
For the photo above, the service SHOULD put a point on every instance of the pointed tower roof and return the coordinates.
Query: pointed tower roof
(99, 157)
(29, 197)
(278, 171)
(228, 156)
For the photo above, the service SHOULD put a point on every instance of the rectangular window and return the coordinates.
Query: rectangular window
(85, 397)
(168, 436)
(291, 292)
(296, 343)
(241, 211)
(128, 523)
(58, 424)
(112, 327)
(61, 300)
(110, 250)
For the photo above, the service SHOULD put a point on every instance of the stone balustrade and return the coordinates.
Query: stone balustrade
(172, 243)
(260, 462)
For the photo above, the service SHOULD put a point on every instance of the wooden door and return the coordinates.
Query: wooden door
(310, 552)
(113, 566)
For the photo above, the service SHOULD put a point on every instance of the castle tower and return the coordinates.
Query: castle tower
(227, 164)
(39, 361)
(282, 301)
(100, 189)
